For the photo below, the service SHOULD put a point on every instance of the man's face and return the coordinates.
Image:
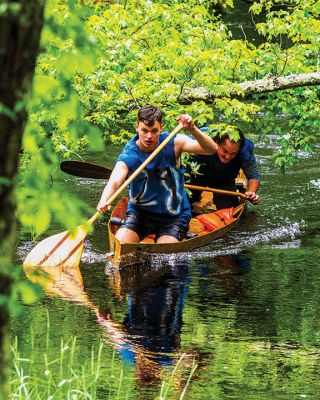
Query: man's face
(148, 135)
(228, 150)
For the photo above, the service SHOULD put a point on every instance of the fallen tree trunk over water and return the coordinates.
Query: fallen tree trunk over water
(245, 90)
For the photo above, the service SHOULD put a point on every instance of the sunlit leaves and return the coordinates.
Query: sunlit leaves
(297, 19)
(152, 68)
(29, 293)
(75, 62)
(57, 125)
(292, 31)
(136, 68)
(103, 60)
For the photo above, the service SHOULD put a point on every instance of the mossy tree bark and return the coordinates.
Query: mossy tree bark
(245, 90)
(20, 28)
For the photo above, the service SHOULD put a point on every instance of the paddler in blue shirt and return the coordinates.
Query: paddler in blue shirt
(221, 169)
(158, 203)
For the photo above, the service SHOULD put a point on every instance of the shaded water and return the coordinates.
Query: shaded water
(245, 308)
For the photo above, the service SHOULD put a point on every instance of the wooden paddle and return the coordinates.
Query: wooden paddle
(218, 191)
(87, 170)
(65, 249)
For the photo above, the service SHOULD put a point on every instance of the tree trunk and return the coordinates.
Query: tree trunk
(245, 90)
(20, 27)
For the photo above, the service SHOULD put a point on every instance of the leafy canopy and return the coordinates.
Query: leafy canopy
(101, 60)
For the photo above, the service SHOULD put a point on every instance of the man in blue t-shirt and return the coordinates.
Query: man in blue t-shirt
(157, 200)
(221, 169)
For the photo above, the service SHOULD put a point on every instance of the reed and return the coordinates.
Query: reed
(168, 385)
(40, 376)
(76, 373)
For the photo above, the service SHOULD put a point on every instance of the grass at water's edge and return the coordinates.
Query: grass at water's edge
(68, 375)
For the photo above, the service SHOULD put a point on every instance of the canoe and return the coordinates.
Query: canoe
(204, 228)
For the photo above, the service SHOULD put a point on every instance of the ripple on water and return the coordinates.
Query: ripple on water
(90, 255)
(289, 230)
(315, 183)
(280, 237)
(23, 249)
(286, 245)
(284, 236)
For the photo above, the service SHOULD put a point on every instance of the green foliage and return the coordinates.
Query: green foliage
(136, 68)
(292, 31)
(299, 20)
(21, 291)
(57, 126)
(149, 52)
(101, 61)
(38, 201)
(78, 372)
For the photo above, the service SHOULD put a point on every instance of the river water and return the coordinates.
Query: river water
(245, 309)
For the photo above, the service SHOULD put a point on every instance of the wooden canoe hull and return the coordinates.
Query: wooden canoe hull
(128, 253)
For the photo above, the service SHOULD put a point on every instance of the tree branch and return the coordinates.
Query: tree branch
(245, 90)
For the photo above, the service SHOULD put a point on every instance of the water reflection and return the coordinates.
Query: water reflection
(148, 336)
(150, 331)
(220, 279)
(155, 299)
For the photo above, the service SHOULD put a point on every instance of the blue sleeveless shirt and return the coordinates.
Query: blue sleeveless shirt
(158, 189)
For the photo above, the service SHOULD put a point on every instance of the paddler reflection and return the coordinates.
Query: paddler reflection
(155, 298)
(150, 331)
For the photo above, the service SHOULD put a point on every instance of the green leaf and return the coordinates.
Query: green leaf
(29, 292)
(42, 219)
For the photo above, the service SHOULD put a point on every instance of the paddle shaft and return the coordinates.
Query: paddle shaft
(218, 191)
(87, 170)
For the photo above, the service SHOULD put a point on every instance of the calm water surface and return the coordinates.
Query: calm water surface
(245, 308)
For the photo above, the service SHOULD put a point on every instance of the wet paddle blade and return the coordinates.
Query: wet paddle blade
(63, 249)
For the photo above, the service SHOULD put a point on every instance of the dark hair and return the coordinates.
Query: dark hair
(221, 139)
(149, 114)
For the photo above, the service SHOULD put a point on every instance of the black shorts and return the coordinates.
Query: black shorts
(145, 224)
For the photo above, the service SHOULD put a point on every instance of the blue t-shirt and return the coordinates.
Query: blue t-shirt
(158, 189)
(245, 160)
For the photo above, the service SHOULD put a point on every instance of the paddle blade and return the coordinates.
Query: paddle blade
(64, 249)
(85, 170)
